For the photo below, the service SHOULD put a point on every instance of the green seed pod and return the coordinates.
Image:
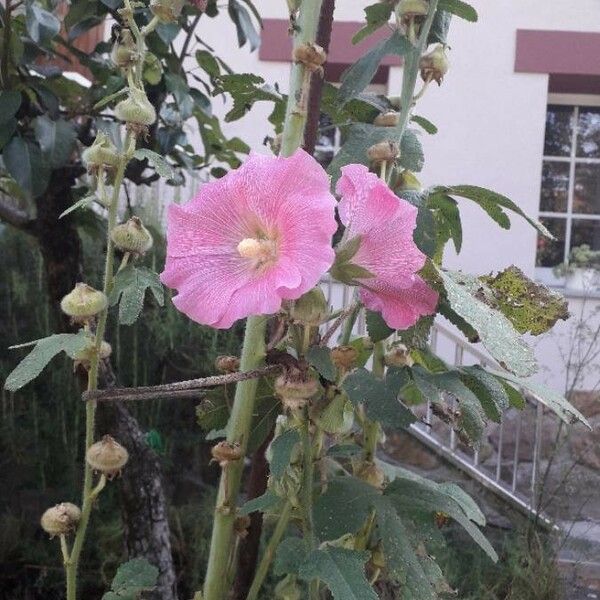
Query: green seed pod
(107, 456)
(434, 65)
(166, 10)
(85, 355)
(102, 153)
(124, 50)
(83, 303)
(60, 519)
(136, 110)
(407, 182)
(310, 309)
(132, 237)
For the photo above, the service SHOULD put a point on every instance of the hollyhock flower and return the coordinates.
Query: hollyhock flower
(384, 257)
(251, 239)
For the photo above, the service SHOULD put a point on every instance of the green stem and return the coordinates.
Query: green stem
(71, 566)
(253, 354)
(371, 429)
(296, 111)
(267, 558)
(349, 325)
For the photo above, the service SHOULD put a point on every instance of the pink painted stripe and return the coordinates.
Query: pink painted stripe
(276, 44)
(558, 52)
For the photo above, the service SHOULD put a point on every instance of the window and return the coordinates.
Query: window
(570, 190)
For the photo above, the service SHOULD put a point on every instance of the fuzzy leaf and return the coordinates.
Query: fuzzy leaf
(489, 391)
(25, 163)
(43, 352)
(282, 448)
(426, 124)
(42, 25)
(163, 168)
(377, 328)
(439, 27)
(411, 152)
(376, 16)
(320, 358)
(459, 8)
(131, 579)
(291, 553)
(343, 571)
(129, 291)
(263, 503)
(56, 139)
(494, 329)
(447, 219)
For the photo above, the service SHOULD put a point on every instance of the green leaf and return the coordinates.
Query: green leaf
(380, 396)
(81, 203)
(459, 8)
(357, 77)
(132, 578)
(425, 231)
(208, 62)
(24, 161)
(439, 27)
(447, 218)
(494, 329)
(291, 553)
(282, 448)
(7, 131)
(42, 25)
(320, 358)
(376, 15)
(163, 168)
(411, 152)
(243, 24)
(343, 571)
(10, 102)
(377, 328)
(263, 503)
(181, 92)
(56, 140)
(490, 392)
(530, 307)
(43, 352)
(129, 291)
(213, 411)
(553, 400)
(426, 124)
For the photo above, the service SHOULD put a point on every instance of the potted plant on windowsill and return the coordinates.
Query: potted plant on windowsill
(581, 271)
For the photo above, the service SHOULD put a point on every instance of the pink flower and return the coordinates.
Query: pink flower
(384, 224)
(259, 235)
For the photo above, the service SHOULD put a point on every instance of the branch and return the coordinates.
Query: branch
(13, 215)
(345, 314)
(180, 389)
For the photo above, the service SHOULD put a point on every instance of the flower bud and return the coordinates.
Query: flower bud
(167, 11)
(83, 303)
(136, 111)
(227, 364)
(60, 519)
(295, 389)
(399, 356)
(344, 357)
(85, 355)
(383, 151)
(387, 119)
(107, 456)
(124, 50)
(407, 182)
(225, 452)
(311, 308)
(312, 56)
(434, 65)
(410, 9)
(132, 237)
(101, 154)
(371, 473)
(288, 589)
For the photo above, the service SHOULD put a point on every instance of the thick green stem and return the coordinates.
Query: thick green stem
(253, 354)
(296, 111)
(267, 559)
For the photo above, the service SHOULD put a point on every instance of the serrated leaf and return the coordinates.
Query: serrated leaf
(488, 389)
(447, 217)
(320, 358)
(131, 579)
(163, 168)
(129, 291)
(343, 571)
(377, 328)
(459, 8)
(43, 352)
(494, 329)
(376, 16)
(282, 448)
(291, 553)
(380, 396)
(550, 398)
(263, 503)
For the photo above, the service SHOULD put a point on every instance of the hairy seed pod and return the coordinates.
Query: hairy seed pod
(312, 56)
(225, 452)
(399, 356)
(383, 152)
(124, 51)
(101, 154)
(344, 357)
(136, 111)
(167, 11)
(371, 473)
(310, 309)
(107, 456)
(83, 303)
(434, 65)
(227, 364)
(295, 389)
(60, 519)
(132, 236)
(85, 355)
(387, 119)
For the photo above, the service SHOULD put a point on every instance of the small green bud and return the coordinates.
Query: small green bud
(83, 303)
(434, 65)
(132, 237)
(85, 355)
(101, 154)
(60, 519)
(107, 456)
(167, 11)
(136, 111)
(310, 309)
(407, 182)
(124, 50)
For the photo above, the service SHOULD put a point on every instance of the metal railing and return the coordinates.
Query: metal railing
(510, 467)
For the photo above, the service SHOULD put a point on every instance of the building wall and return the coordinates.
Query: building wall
(490, 120)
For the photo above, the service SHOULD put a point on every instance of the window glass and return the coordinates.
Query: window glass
(588, 132)
(555, 186)
(585, 231)
(559, 130)
(586, 192)
(551, 252)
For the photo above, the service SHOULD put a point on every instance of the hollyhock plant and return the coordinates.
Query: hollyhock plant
(258, 236)
(379, 227)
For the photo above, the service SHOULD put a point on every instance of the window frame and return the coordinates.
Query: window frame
(577, 101)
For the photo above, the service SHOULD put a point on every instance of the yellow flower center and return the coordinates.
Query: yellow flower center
(261, 251)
